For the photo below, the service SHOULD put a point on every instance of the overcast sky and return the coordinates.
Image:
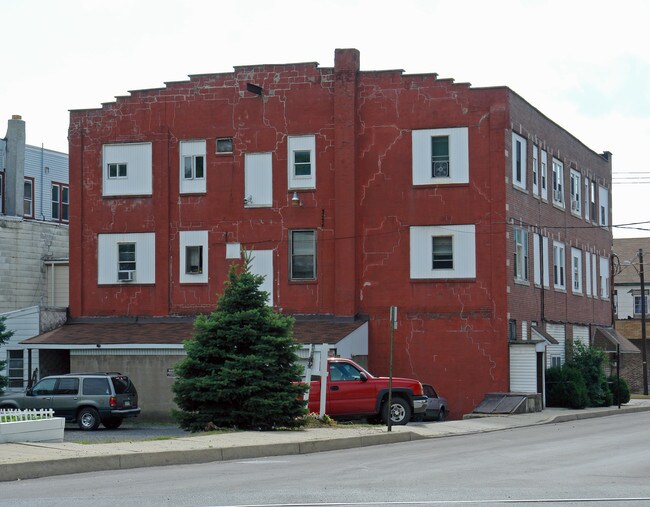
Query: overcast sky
(584, 64)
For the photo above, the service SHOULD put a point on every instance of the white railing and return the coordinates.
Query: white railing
(25, 415)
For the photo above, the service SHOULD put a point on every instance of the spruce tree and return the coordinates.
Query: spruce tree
(4, 337)
(241, 364)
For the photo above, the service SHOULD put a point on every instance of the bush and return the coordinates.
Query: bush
(623, 389)
(589, 361)
(565, 387)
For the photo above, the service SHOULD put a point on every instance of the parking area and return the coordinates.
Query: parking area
(128, 431)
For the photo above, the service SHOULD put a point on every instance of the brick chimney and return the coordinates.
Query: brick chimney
(15, 166)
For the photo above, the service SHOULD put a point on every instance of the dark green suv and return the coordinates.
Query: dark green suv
(86, 398)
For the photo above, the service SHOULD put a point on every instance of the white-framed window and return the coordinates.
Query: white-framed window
(518, 161)
(302, 258)
(586, 199)
(258, 180)
(556, 361)
(638, 302)
(126, 258)
(558, 182)
(559, 265)
(192, 167)
(594, 211)
(193, 255)
(15, 368)
(224, 145)
(535, 170)
(301, 158)
(588, 273)
(442, 251)
(126, 264)
(28, 198)
(603, 202)
(576, 270)
(440, 156)
(604, 278)
(575, 189)
(60, 202)
(543, 177)
(521, 254)
(127, 169)
(541, 261)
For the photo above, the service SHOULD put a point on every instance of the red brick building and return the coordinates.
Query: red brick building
(356, 190)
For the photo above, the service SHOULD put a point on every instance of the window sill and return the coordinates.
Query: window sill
(558, 205)
(560, 289)
(193, 284)
(303, 282)
(441, 184)
(521, 189)
(521, 281)
(442, 280)
(127, 284)
(579, 294)
(127, 196)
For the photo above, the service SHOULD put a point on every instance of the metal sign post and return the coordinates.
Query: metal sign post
(393, 326)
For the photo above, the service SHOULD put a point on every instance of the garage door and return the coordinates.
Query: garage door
(523, 368)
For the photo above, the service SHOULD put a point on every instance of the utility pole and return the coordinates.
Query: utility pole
(644, 356)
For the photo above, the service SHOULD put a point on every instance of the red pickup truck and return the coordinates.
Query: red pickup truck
(353, 392)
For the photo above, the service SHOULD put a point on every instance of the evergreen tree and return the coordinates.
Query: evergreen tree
(4, 337)
(241, 364)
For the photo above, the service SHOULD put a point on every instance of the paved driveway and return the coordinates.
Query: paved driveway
(128, 431)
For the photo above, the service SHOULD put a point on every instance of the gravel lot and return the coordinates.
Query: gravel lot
(128, 431)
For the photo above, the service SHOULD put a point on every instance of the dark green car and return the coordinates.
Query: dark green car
(85, 398)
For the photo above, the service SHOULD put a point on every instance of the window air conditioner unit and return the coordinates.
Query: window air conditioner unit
(575, 205)
(441, 169)
(125, 276)
(557, 195)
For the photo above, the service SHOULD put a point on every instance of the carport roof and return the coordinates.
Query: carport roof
(168, 333)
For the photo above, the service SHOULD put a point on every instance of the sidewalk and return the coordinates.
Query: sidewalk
(32, 460)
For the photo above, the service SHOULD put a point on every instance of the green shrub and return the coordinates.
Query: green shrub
(565, 387)
(589, 360)
(623, 389)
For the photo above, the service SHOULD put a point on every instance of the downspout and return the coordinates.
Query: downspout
(42, 178)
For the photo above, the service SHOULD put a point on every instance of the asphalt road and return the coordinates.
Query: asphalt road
(604, 461)
(130, 430)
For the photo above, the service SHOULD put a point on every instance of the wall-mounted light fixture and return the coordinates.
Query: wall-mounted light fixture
(295, 200)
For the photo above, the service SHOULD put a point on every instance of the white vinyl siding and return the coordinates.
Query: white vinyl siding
(145, 257)
(193, 239)
(576, 270)
(581, 334)
(558, 332)
(192, 167)
(45, 167)
(604, 278)
(603, 206)
(421, 144)
(300, 175)
(523, 368)
(262, 264)
(518, 161)
(138, 179)
(258, 180)
(463, 251)
(25, 324)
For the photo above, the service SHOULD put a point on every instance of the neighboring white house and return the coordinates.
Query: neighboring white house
(627, 281)
(34, 216)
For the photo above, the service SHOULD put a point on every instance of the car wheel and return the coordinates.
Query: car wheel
(442, 415)
(88, 419)
(112, 423)
(400, 412)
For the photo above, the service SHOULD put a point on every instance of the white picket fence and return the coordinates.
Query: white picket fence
(25, 415)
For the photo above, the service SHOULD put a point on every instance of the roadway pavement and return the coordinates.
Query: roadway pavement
(35, 459)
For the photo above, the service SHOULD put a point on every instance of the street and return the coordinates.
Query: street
(604, 461)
